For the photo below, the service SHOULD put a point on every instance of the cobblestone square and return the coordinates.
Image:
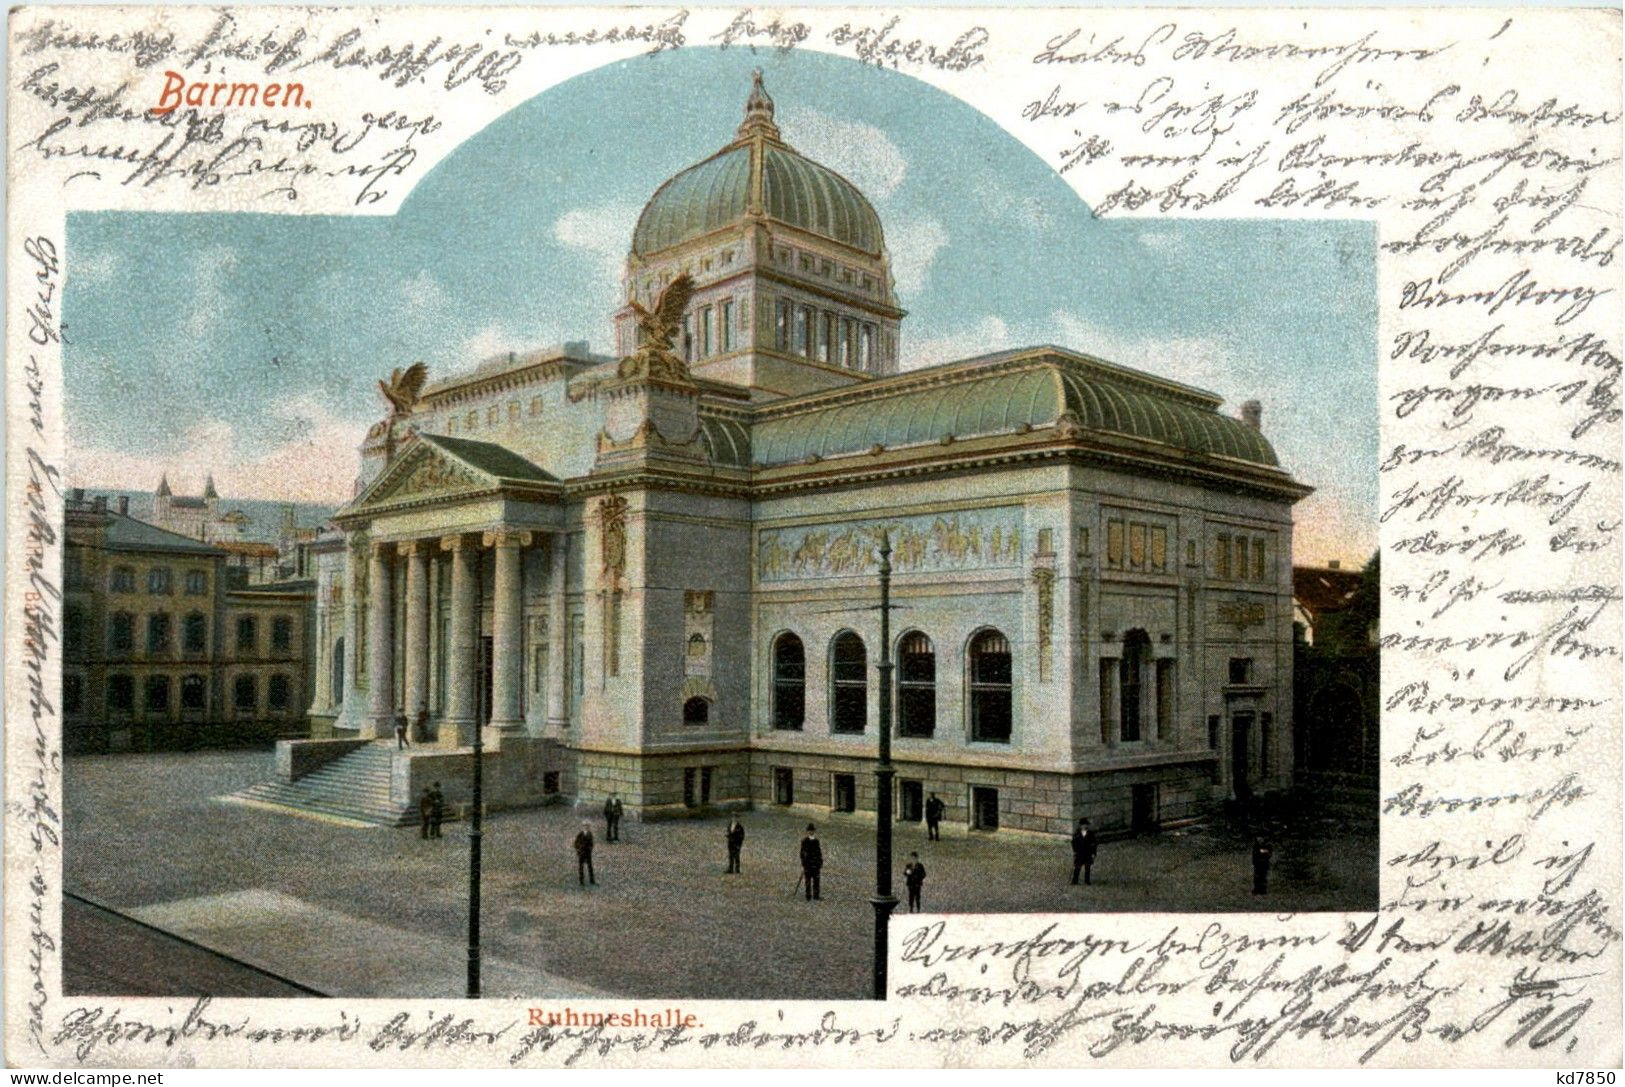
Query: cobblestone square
(372, 911)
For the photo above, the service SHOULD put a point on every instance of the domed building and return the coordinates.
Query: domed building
(653, 574)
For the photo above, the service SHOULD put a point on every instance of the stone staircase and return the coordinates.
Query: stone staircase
(353, 786)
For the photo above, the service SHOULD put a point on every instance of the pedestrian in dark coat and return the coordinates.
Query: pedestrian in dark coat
(1083, 851)
(933, 819)
(914, 877)
(736, 842)
(609, 819)
(425, 812)
(400, 730)
(583, 847)
(1261, 866)
(620, 810)
(421, 726)
(812, 862)
(437, 810)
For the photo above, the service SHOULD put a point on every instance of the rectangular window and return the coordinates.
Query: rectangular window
(120, 694)
(781, 327)
(784, 785)
(1213, 732)
(73, 693)
(866, 347)
(550, 782)
(688, 337)
(197, 582)
(1108, 668)
(158, 580)
(910, 801)
(1260, 567)
(157, 694)
(282, 634)
(247, 634)
(845, 345)
(1136, 546)
(845, 793)
(1221, 557)
(798, 343)
(705, 332)
(706, 773)
(984, 808)
(1165, 698)
(1241, 670)
(1159, 548)
(727, 327)
(690, 792)
(245, 694)
(1240, 558)
(826, 341)
(535, 405)
(1114, 543)
(194, 692)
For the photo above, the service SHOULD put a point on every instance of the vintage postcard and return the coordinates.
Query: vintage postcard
(693, 537)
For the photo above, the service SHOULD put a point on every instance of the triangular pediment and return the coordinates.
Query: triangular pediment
(437, 469)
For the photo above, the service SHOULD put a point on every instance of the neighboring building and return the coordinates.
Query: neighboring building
(656, 575)
(1338, 671)
(161, 652)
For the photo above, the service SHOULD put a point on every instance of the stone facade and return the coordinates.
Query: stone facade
(159, 651)
(662, 568)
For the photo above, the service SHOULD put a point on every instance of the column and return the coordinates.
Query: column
(507, 630)
(557, 665)
(416, 553)
(380, 643)
(461, 699)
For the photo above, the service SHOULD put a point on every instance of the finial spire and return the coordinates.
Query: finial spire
(163, 486)
(758, 111)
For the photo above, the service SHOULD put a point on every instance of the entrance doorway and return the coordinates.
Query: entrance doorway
(984, 808)
(911, 801)
(1143, 808)
(1241, 724)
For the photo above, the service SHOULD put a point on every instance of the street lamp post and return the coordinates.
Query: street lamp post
(474, 834)
(883, 901)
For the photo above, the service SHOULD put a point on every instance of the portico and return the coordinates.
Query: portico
(439, 617)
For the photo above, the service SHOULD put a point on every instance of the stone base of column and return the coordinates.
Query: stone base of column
(455, 733)
(374, 727)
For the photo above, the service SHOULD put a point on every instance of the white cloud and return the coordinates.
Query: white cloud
(1163, 241)
(861, 153)
(313, 458)
(913, 245)
(603, 231)
(987, 335)
(423, 294)
(210, 303)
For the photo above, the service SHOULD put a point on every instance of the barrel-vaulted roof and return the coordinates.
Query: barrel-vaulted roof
(1007, 393)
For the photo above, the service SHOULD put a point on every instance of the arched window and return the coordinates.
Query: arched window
(849, 683)
(696, 711)
(696, 645)
(245, 694)
(282, 634)
(916, 685)
(789, 682)
(194, 693)
(157, 633)
(990, 686)
(157, 694)
(277, 693)
(338, 671)
(247, 634)
(158, 579)
(123, 579)
(120, 694)
(120, 632)
(1131, 682)
(195, 633)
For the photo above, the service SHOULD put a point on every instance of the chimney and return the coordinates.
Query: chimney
(99, 503)
(124, 504)
(1252, 413)
(78, 494)
(1334, 564)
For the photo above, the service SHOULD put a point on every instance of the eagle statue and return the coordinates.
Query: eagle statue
(402, 391)
(403, 387)
(655, 355)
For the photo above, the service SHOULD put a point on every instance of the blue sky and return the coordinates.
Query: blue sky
(261, 342)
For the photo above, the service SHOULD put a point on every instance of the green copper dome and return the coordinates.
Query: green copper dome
(757, 174)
